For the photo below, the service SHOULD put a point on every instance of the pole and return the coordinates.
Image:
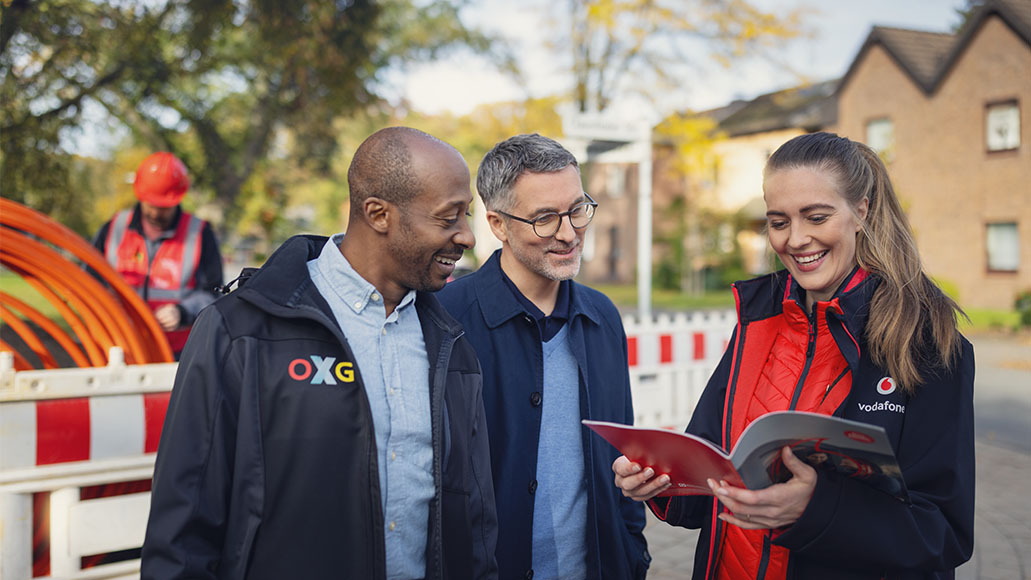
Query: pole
(644, 225)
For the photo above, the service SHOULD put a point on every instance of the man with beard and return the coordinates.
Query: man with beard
(170, 257)
(553, 352)
(327, 417)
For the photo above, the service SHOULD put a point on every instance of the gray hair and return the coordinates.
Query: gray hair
(511, 158)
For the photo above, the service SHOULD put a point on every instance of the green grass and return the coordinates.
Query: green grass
(13, 284)
(625, 297)
(990, 320)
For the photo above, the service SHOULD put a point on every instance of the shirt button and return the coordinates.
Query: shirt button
(391, 390)
(392, 526)
(374, 297)
(384, 331)
(393, 455)
(535, 399)
(529, 575)
(357, 305)
(533, 487)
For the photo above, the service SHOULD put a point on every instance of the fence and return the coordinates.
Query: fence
(68, 432)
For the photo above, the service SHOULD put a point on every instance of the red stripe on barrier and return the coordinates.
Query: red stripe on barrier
(699, 345)
(62, 430)
(665, 348)
(155, 405)
(631, 350)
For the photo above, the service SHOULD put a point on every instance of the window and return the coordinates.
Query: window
(880, 136)
(1002, 126)
(1003, 247)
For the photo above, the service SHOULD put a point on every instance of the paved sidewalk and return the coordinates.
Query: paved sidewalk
(1002, 524)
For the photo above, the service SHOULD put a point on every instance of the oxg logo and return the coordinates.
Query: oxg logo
(321, 370)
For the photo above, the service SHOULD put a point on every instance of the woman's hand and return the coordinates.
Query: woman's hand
(638, 484)
(774, 507)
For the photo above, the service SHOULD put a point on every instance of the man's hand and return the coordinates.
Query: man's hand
(638, 484)
(774, 507)
(168, 317)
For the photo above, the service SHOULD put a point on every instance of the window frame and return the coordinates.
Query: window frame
(988, 249)
(988, 107)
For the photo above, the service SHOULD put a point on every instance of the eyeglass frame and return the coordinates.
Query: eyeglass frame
(561, 214)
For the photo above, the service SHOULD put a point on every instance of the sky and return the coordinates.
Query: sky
(463, 81)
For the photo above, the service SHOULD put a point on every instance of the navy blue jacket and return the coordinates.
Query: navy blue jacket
(849, 530)
(508, 345)
(267, 467)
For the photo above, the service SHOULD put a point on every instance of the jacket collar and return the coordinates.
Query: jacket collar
(282, 285)
(498, 305)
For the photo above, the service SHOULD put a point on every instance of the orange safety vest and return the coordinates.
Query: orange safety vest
(166, 277)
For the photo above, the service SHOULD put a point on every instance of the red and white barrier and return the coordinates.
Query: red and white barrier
(63, 433)
(671, 358)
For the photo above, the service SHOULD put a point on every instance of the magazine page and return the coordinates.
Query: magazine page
(687, 459)
(852, 449)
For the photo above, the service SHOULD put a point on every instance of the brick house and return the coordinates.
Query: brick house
(951, 115)
(949, 112)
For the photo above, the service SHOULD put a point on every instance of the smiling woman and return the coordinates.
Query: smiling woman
(852, 312)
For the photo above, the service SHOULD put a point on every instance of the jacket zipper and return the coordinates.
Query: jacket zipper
(810, 353)
(832, 385)
(764, 561)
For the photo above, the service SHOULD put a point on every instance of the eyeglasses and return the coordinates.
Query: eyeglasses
(547, 224)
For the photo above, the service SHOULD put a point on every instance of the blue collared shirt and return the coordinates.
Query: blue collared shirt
(390, 353)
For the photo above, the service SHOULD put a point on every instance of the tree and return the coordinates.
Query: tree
(649, 47)
(215, 81)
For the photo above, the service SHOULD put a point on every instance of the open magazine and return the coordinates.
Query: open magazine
(853, 449)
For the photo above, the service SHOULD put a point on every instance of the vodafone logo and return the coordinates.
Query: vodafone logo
(321, 370)
(886, 386)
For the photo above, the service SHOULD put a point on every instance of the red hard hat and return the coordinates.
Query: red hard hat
(161, 180)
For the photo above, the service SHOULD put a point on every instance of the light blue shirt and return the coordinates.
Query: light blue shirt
(390, 353)
(560, 502)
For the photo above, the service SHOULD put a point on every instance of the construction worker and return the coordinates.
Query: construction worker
(169, 256)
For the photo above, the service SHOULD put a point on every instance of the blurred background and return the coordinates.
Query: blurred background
(265, 101)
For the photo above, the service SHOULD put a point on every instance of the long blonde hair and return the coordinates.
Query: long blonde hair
(912, 323)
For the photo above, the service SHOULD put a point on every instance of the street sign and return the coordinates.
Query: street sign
(604, 127)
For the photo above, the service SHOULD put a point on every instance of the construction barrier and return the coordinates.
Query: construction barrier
(68, 432)
(671, 358)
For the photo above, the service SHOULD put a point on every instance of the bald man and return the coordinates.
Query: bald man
(327, 416)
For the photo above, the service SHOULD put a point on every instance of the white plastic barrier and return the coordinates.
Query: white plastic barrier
(671, 358)
(63, 431)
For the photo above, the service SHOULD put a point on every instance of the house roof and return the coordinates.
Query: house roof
(810, 107)
(927, 57)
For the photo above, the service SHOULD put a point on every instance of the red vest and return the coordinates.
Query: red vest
(164, 278)
(787, 363)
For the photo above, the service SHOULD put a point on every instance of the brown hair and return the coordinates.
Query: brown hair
(912, 322)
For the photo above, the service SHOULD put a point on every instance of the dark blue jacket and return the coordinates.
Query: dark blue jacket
(508, 345)
(849, 530)
(268, 470)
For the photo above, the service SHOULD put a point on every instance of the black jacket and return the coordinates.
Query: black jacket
(849, 530)
(260, 475)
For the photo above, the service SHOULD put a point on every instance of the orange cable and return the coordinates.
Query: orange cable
(48, 326)
(97, 357)
(45, 228)
(48, 266)
(28, 336)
